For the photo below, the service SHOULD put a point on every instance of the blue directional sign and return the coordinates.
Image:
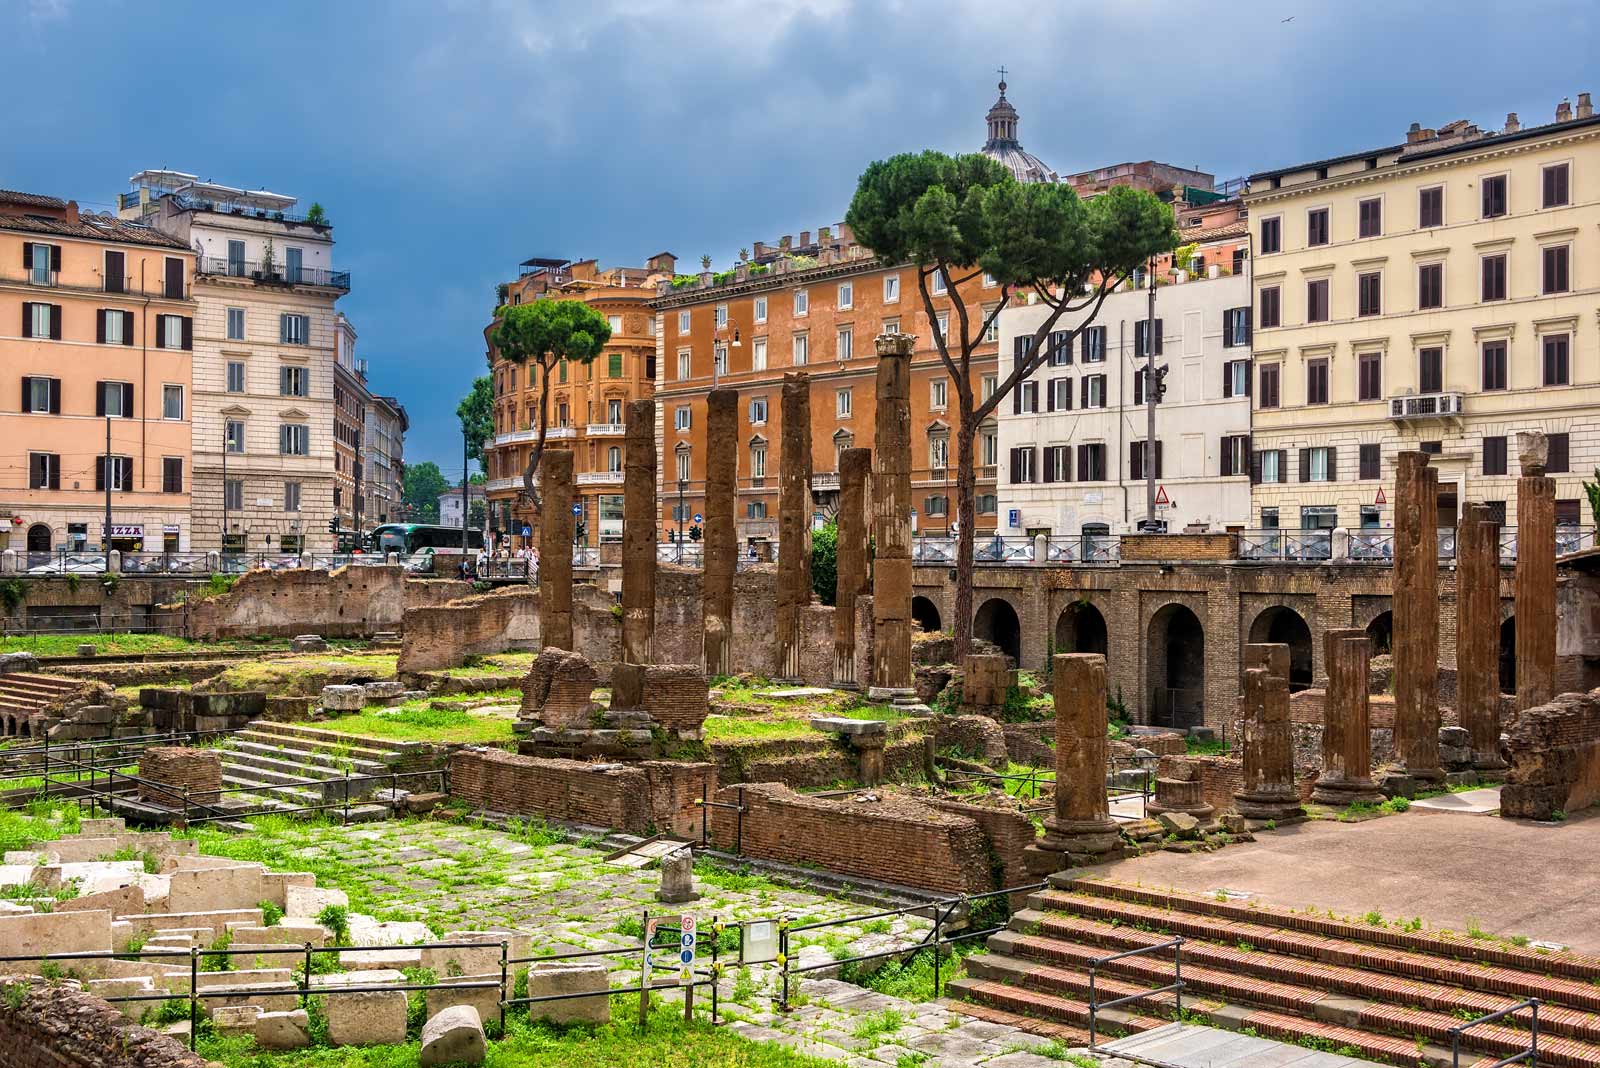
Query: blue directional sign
(577, 509)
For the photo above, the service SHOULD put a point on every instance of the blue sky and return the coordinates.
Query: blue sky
(450, 140)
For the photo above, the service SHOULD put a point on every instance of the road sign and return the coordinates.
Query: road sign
(577, 509)
(1013, 517)
(686, 951)
(1162, 500)
(1380, 498)
(527, 531)
(697, 518)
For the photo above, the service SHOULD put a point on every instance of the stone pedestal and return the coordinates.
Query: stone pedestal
(677, 878)
(1346, 732)
(1416, 618)
(850, 556)
(866, 737)
(1268, 791)
(639, 531)
(1185, 796)
(555, 549)
(891, 515)
(985, 681)
(794, 520)
(1536, 575)
(1081, 829)
(722, 547)
(1478, 634)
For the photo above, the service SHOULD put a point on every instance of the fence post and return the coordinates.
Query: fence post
(194, 989)
(738, 830)
(505, 991)
(1177, 973)
(346, 798)
(186, 805)
(644, 976)
(705, 839)
(305, 981)
(938, 933)
(1092, 1010)
(716, 969)
(1533, 1039)
(783, 959)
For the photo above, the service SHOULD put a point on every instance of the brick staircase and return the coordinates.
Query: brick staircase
(1381, 993)
(274, 760)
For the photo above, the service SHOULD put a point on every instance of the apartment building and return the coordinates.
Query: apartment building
(383, 460)
(350, 400)
(450, 504)
(1431, 294)
(587, 402)
(264, 359)
(97, 323)
(1074, 443)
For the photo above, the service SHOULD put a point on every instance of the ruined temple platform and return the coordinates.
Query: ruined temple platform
(1507, 877)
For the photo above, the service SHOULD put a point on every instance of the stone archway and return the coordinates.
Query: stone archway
(1081, 629)
(996, 621)
(1284, 626)
(1176, 667)
(39, 538)
(1508, 655)
(1380, 634)
(925, 613)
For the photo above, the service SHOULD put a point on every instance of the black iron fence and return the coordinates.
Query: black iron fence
(1096, 1006)
(1530, 1055)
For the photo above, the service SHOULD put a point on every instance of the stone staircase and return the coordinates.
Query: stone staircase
(1379, 992)
(27, 700)
(290, 765)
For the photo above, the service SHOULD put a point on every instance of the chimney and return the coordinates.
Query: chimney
(1585, 106)
(805, 238)
(1414, 134)
(1512, 125)
(72, 211)
(1564, 111)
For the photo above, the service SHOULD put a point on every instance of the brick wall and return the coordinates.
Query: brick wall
(632, 798)
(892, 840)
(1009, 833)
(178, 768)
(1179, 546)
(557, 689)
(56, 1026)
(976, 737)
(1555, 758)
(675, 697)
(442, 636)
(351, 602)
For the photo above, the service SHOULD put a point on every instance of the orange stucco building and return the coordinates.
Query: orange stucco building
(96, 336)
(586, 402)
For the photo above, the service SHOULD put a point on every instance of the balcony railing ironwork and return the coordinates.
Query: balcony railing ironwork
(276, 273)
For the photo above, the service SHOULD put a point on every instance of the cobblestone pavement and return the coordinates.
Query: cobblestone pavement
(455, 876)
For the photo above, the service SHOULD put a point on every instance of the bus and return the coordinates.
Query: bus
(423, 539)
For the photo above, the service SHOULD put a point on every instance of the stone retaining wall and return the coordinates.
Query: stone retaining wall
(892, 840)
(56, 1026)
(351, 602)
(443, 636)
(633, 798)
(1554, 751)
(1009, 832)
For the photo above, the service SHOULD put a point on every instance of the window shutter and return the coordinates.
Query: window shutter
(1064, 464)
(27, 256)
(1083, 343)
(1227, 378)
(100, 326)
(54, 464)
(27, 316)
(1249, 374)
(283, 333)
(1083, 462)
(1134, 466)
(188, 333)
(1016, 399)
(100, 473)
(1226, 466)
(1066, 395)
(55, 322)
(127, 400)
(55, 396)
(1160, 330)
(1138, 387)
(1084, 385)
(1050, 395)
(1333, 463)
(1305, 465)
(115, 272)
(1227, 328)
(127, 328)
(55, 258)
(100, 401)
(1049, 464)
(27, 394)
(161, 331)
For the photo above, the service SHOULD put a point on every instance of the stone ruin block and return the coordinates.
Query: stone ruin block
(570, 978)
(338, 698)
(178, 768)
(378, 693)
(454, 1035)
(308, 643)
(558, 689)
(1554, 754)
(674, 695)
(985, 681)
(373, 1019)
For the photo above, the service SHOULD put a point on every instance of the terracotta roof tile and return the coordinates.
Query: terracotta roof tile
(93, 228)
(32, 200)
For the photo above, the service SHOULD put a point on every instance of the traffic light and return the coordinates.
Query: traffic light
(694, 532)
(579, 530)
(333, 525)
(1161, 383)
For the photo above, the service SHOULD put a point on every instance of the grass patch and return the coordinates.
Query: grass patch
(425, 721)
(911, 977)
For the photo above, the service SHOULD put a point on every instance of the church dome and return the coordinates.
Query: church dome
(1004, 147)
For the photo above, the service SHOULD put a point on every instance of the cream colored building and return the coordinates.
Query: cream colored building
(1432, 294)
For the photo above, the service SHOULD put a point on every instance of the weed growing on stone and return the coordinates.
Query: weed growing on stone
(876, 1026)
(1374, 919)
(336, 918)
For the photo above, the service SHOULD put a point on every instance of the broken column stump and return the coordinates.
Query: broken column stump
(639, 532)
(722, 548)
(794, 521)
(852, 578)
(555, 549)
(1536, 574)
(1416, 619)
(1478, 634)
(1081, 830)
(1346, 777)
(891, 522)
(1268, 791)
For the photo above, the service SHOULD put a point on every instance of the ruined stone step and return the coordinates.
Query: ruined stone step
(348, 749)
(316, 734)
(318, 765)
(290, 775)
(1487, 951)
(362, 813)
(1516, 983)
(1072, 941)
(1037, 1004)
(1246, 986)
(330, 790)
(1065, 1034)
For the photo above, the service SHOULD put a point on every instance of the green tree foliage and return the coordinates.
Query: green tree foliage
(825, 562)
(420, 488)
(543, 334)
(956, 217)
(476, 412)
(1592, 491)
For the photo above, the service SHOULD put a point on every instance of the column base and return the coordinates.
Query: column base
(1086, 841)
(1279, 807)
(891, 693)
(1342, 793)
(1489, 762)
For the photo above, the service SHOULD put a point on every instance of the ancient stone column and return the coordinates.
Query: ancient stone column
(1536, 574)
(1268, 791)
(1478, 632)
(638, 531)
(850, 561)
(1416, 617)
(1081, 826)
(722, 541)
(794, 520)
(555, 549)
(891, 520)
(1346, 729)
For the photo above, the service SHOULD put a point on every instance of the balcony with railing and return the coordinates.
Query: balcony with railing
(555, 433)
(1422, 406)
(606, 430)
(825, 481)
(599, 478)
(273, 273)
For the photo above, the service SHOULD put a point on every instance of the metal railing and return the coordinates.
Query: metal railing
(95, 756)
(1290, 546)
(279, 273)
(1083, 549)
(1175, 987)
(165, 563)
(1530, 1055)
